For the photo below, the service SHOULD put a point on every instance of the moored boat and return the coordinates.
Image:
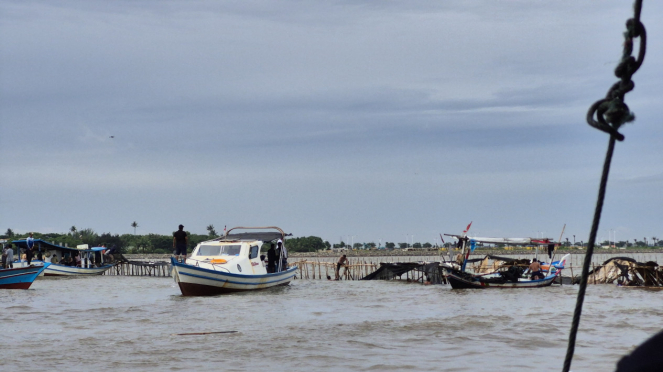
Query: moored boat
(63, 260)
(459, 281)
(20, 277)
(499, 272)
(233, 263)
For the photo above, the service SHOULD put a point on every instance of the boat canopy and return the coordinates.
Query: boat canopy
(507, 260)
(48, 245)
(264, 236)
(514, 241)
(250, 236)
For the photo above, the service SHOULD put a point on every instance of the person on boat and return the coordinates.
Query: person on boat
(30, 243)
(282, 254)
(271, 259)
(180, 242)
(109, 253)
(535, 270)
(77, 260)
(8, 257)
(341, 261)
(91, 259)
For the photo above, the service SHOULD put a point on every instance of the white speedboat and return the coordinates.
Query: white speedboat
(232, 263)
(62, 259)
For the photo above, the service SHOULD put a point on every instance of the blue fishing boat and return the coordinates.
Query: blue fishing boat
(499, 272)
(233, 263)
(20, 277)
(66, 261)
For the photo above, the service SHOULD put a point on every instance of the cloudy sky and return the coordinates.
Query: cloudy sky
(374, 120)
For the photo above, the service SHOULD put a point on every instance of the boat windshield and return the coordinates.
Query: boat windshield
(219, 250)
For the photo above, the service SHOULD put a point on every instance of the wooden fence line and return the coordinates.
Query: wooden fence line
(138, 268)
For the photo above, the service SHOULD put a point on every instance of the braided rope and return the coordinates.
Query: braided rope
(611, 112)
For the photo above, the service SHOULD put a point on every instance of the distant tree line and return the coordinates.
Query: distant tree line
(156, 243)
(126, 243)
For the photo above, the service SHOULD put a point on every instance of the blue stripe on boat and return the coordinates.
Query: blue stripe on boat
(232, 282)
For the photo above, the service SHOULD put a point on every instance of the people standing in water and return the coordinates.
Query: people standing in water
(30, 243)
(180, 242)
(341, 261)
(271, 259)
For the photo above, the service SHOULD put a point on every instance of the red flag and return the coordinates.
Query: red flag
(468, 228)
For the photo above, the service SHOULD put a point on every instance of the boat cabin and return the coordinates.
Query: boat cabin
(240, 253)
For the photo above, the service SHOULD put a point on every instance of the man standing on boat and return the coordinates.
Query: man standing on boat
(180, 242)
(30, 243)
(535, 270)
(10, 256)
(271, 259)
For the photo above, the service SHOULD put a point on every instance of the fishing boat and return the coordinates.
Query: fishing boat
(63, 259)
(20, 277)
(499, 272)
(233, 263)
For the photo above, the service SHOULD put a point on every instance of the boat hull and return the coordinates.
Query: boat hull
(460, 282)
(62, 270)
(196, 281)
(20, 277)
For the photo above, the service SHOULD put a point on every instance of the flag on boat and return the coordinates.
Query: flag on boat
(468, 228)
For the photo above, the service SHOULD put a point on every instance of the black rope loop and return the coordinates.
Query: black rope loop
(599, 107)
(610, 113)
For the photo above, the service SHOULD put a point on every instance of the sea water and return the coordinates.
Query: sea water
(110, 323)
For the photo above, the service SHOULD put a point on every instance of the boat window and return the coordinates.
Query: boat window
(209, 250)
(219, 250)
(254, 252)
(231, 250)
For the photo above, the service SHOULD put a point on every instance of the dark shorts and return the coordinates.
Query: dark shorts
(338, 266)
(537, 274)
(180, 250)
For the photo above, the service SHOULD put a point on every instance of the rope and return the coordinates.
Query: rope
(611, 112)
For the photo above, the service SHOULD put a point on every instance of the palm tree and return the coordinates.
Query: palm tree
(134, 225)
(211, 231)
(73, 230)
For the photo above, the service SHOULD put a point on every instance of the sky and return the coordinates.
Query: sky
(362, 121)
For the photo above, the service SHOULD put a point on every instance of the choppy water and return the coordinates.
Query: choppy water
(128, 323)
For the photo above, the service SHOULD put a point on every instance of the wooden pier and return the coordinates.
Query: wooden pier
(141, 268)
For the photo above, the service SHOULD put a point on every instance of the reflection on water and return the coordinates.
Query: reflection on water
(111, 323)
